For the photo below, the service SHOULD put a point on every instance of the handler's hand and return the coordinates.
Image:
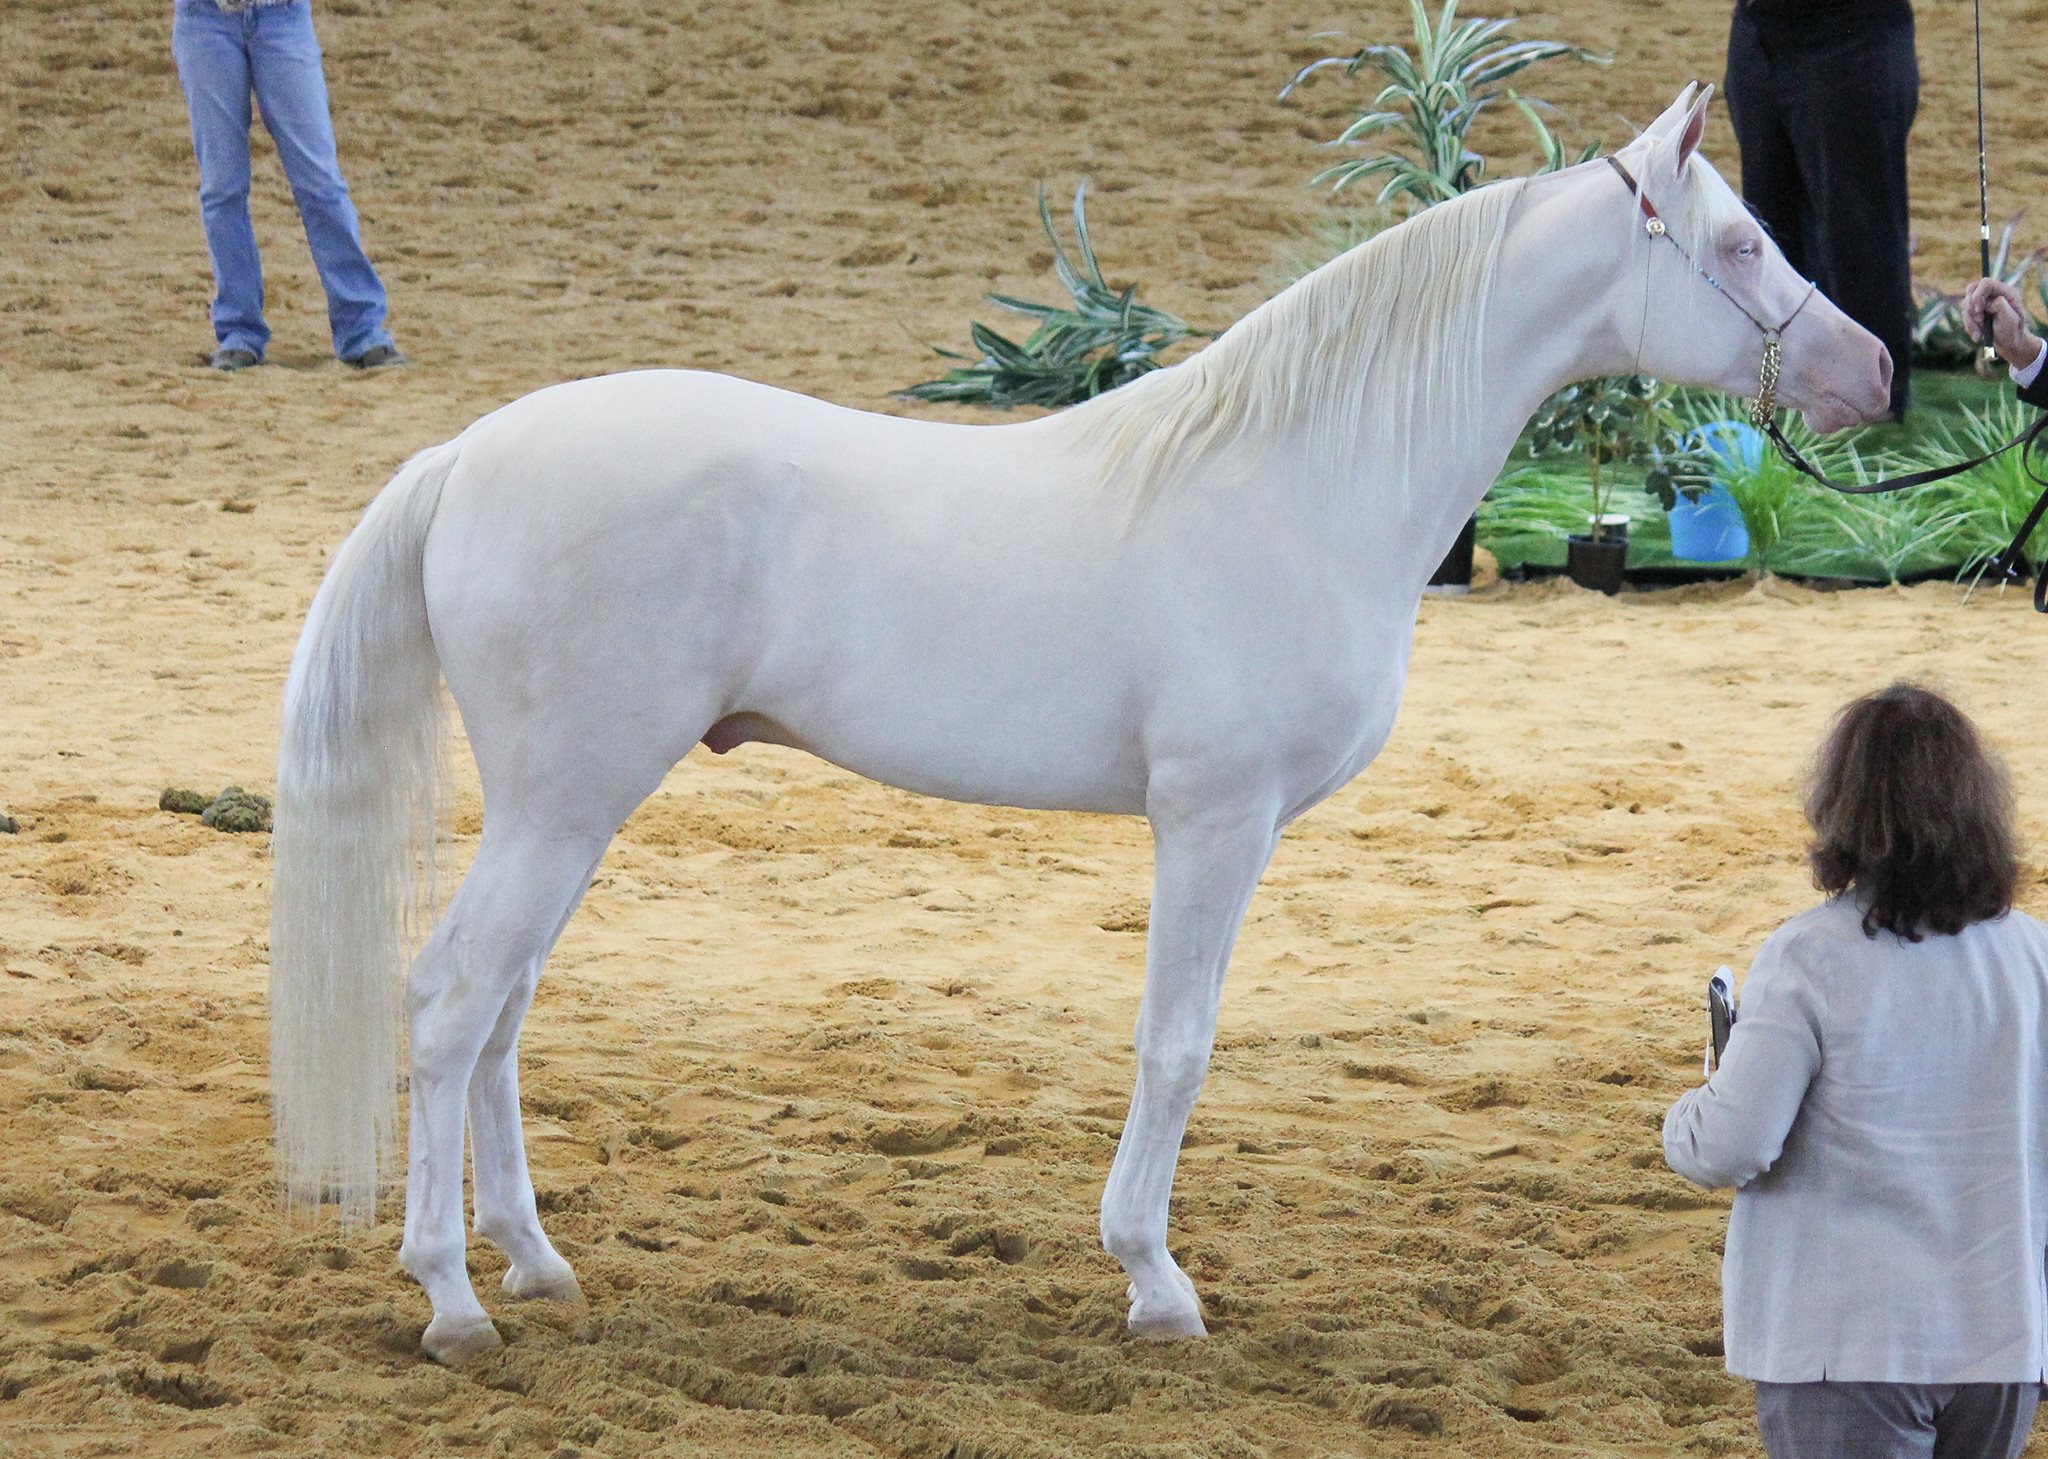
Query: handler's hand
(2015, 344)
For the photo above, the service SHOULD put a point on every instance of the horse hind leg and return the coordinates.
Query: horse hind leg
(506, 1214)
(465, 995)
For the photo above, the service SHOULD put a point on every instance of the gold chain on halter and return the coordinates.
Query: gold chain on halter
(1766, 402)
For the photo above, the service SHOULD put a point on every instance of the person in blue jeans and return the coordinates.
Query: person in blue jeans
(228, 51)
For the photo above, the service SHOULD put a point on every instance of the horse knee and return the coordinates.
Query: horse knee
(1127, 1236)
(1172, 1071)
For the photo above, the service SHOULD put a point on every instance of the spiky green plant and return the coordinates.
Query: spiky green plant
(1548, 143)
(1531, 500)
(1993, 499)
(1100, 341)
(1774, 499)
(1886, 536)
(1429, 100)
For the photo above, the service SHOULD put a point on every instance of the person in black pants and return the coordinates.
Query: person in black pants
(2022, 350)
(1822, 94)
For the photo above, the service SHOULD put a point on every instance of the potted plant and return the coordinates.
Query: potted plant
(1616, 422)
(1104, 339)
(1413, 137)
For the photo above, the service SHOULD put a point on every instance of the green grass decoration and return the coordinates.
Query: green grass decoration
(1849, 535)
(1533, 500)
(1104, 339)
(1431, 98)
(1993, 499)
(1799, 528)
(1896, 533)
(1771, 495)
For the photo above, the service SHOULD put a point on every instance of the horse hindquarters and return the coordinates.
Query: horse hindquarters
(578, 695)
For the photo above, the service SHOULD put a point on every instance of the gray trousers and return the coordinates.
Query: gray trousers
(1895, 1420)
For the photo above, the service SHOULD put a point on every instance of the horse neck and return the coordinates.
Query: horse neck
(1372, 404)
(1549, 317)
(1569, 291)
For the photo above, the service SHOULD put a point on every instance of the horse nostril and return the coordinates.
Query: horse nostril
(1884, 369)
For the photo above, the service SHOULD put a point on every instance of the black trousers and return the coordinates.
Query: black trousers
(1822, 120)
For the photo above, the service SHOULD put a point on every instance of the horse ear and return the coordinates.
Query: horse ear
(1694, 128)
(1674, 114)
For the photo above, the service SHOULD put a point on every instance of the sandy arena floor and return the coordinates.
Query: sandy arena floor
(824, 1079)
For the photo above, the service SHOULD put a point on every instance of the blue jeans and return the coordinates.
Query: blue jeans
(270, 52)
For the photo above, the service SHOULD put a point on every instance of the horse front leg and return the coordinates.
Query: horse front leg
(1205, 871)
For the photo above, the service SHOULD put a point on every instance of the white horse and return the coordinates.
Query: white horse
(1191, 600)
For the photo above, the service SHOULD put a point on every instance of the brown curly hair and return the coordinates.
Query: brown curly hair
(1914, 811)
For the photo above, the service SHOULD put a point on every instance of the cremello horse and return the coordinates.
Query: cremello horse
(1190, 600)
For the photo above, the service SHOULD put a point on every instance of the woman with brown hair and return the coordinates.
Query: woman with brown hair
(1882, 1109)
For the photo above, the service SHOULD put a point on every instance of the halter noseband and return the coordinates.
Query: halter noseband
(1766, 402)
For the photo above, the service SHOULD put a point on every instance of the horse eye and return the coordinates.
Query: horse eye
(1746, 248)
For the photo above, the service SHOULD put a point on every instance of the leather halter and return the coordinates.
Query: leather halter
(1766, 402)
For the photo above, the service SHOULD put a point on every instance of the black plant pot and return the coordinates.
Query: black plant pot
(1456, 569)
(1596, 565)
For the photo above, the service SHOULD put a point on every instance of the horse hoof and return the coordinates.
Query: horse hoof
(1147, 1320)
(542, 1286)
(458, 1340)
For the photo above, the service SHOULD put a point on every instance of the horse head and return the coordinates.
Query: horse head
(1705, 287)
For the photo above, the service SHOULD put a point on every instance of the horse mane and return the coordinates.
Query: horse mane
(1380, 348)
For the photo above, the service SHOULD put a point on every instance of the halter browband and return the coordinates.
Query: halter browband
(1766, 402)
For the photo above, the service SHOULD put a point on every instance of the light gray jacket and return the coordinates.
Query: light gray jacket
(1883, 1108)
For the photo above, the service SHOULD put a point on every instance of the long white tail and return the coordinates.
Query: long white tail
(358, 777)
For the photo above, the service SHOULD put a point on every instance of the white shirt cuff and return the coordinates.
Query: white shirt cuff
(2026, 377)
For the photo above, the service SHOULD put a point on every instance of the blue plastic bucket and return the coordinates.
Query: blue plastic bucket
(1710, 529)
(1736, 442)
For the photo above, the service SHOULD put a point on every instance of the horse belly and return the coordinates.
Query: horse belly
(971, 750)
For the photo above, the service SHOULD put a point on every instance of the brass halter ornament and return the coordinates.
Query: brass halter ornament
(1765, 406)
